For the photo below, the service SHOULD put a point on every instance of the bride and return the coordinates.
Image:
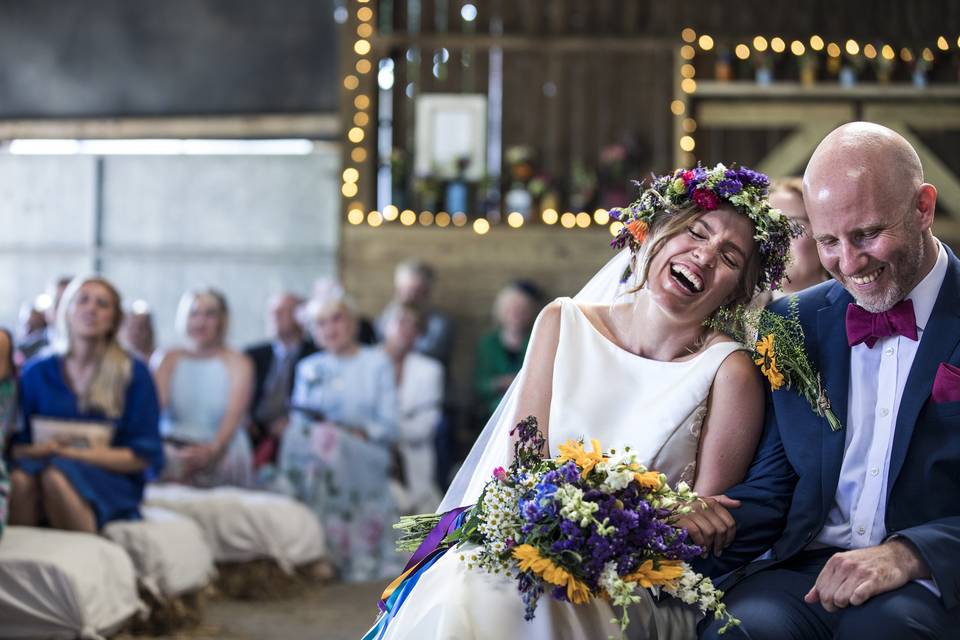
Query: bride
(629, 361)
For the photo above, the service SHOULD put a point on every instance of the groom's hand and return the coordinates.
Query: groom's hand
(851, 578)
(709, 524)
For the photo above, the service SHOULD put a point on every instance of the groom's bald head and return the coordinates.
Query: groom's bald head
(865, 157)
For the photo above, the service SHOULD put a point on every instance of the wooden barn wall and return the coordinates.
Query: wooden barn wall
(610, 87)
(471, 269)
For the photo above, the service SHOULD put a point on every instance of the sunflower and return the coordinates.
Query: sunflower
(767, 361)
(531, 560)
(573, 450)
(648, 574)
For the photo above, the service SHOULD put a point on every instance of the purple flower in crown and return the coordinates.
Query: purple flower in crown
(749, 177)
(729, 186)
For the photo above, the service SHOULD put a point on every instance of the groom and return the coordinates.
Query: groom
(864, 523)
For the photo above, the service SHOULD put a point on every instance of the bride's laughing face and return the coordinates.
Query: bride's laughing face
(701, 268)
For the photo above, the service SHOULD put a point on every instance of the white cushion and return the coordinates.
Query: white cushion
(168, 549)
(242, 525)
(62, 584)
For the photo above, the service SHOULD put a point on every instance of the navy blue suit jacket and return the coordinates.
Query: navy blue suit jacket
(791, 484)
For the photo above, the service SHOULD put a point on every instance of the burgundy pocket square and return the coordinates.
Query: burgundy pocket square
(946, 386)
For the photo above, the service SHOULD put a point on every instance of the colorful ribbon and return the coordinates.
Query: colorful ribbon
(449, 522)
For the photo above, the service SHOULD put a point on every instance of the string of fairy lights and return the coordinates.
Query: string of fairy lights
(762, 45)
(357, 214)
(692, 44)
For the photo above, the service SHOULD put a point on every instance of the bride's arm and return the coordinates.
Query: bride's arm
(534, 388)
(732, 427)
(728, 441)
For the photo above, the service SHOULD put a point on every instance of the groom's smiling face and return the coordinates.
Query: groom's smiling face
(871, 246)
(870, 213)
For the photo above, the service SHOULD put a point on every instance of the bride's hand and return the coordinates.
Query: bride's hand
(709, 523)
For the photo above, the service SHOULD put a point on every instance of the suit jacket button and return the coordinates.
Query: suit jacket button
(810, 535)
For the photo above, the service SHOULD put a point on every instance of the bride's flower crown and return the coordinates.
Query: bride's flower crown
(708, 189)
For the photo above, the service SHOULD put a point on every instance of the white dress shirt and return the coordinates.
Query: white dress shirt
(877, 379)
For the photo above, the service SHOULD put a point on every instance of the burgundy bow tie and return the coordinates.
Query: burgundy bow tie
(863, 326)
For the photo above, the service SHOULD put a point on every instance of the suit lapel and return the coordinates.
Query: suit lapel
(834, 365)
(939, 340)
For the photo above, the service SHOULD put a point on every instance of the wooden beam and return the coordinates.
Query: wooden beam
(316, 125)
(795, 90)
(384, 43)
(754, 115)
(934, 170)
(788, 157)
(936, 117)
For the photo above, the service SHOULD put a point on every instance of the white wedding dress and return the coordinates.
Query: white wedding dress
(599, 391)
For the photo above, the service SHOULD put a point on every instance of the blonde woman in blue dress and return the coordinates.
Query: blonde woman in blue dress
(630, 364)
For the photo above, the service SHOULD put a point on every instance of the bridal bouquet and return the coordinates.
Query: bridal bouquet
(582, 525)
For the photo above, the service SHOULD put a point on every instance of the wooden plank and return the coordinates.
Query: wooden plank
(754, 115)
(307, 125)
(790, 156)
(748, 89)
(936, 117)
(934, 170)
(384, 43)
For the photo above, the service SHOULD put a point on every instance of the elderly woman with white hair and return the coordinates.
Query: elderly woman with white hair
(336, 455)
(205, 392)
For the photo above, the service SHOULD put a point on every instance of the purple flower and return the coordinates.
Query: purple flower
(750, 178)
(729, 187)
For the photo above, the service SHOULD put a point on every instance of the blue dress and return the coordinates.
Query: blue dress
(112, 495)
(199, 393)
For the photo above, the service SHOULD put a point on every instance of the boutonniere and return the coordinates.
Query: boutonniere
(776, 344)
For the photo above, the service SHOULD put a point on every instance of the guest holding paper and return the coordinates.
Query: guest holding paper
(89, 387)
(205, 394)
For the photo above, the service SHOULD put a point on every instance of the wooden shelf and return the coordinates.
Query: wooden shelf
(744, 89)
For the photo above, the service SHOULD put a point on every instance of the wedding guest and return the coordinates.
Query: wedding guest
(804, 269)
(325, 288)
(8, 389)
(205, 394)
(89, 380)
(31, 324)
(137, 333)
(37, 342)
(413, 284)
(500, 352)
(4, 495)
(419, 380)
(336, 453)
(274, 362)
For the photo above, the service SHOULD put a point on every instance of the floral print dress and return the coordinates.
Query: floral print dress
(336, 457)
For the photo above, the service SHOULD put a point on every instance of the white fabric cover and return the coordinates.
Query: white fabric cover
(169, 551)
(242, 525)
(62, 584)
